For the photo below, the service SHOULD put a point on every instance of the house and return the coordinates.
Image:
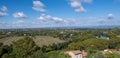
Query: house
(77, 54)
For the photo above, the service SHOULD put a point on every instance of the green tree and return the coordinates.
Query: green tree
(24, 47)
(57, 54)
(38, 54)
(112, 55)
(5, 49)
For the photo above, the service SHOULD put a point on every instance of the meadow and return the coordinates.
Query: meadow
(39, 40)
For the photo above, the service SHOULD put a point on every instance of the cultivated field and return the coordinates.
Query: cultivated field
(39, 40)
(46, 40)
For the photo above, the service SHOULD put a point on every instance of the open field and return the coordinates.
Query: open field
(39, 40)
(46, 40)
(9, 40)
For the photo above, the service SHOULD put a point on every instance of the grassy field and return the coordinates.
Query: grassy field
(9, 40)
(46, 40)
(39, 40)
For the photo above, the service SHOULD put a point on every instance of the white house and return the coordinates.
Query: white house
(76, 54)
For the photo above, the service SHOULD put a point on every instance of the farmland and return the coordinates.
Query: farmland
(39, 40)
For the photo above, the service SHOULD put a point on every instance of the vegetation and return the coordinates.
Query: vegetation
(51, 43)
(39, 40)
(95, 44)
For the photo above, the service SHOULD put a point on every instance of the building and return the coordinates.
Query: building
(77, 54)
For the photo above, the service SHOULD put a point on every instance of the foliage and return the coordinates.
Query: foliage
(38, 54)
(24, 47)
(113, 55)
(97, 44)
(57, 54)
(114, 43)
(74, 39)
(4, 49)
(96, 54)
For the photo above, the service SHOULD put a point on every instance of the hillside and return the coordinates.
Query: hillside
(39, 40)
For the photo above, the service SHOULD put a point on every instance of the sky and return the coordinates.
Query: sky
(58, 13)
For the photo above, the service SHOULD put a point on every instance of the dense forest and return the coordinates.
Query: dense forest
(93, 41)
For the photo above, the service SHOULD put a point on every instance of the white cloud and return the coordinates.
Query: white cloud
(110, 16)
(3, 11)
(80, 9)
(19, 15)
(4, 8)
(77, 5)
(2, 14)
(38, 6)
(49, 17)
(45, 17)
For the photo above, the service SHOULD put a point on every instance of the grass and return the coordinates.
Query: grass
(39, 40)
(46, 40)
(9, 40)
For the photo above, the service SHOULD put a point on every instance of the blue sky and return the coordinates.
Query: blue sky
(58, 13)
